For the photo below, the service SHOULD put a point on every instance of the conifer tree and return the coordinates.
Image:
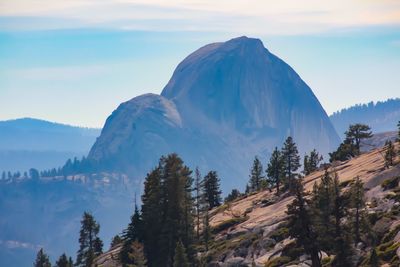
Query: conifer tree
(198, 200)
(131, 234)
(3, 175)
(342, 245)
(373, 258)
(90, 245)
(322, 211)
(256, 176)
(300, 224)
(116, 240)
(291, 161)
(152, 216)
(180, 257)
(212, 193)
(42, 260)
(390, 154)
(63, 261)
(398, 132)
(357, 202)
(311, 162)
(356, 133)
(234, 194)
(206, 230)
(275, 170)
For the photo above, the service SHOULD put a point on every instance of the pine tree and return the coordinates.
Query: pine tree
(398, 132)
(212, 193)
(311, 162)
(206, 230)
(342, 245)
(275, 170)
(357, 202)
(90, 245)
(356, 133)
(180, 257)
(63, 261)
(42, 260)
(291, 161)
(3, 175)
(198, 200)
(116, 240)
(152, 216)
(300, 224)
(322, 211)
(234, 194)
(132, 233)
(390, 154)
(256, 176)
(373, 258)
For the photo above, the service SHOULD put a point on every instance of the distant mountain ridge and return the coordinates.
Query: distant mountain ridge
(28, 142)
(224, 104)
(382, 116)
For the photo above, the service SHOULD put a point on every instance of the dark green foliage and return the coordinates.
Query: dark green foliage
(356, 133)
(256, 176)
(228, 223)
(351, 145)
(180, 257)
(206, 230)
(300, 224)
(34, 174)
(311, 162)
(115, 241)
(134, 232)
(42, 260)
(135, 257)
(342, 244)
(167, 211)
(280, 234)
(398, 132)
(212, 192)
(234, 194)
(198, 200)
(63, 261)
(90, 245)
(291, 161)
(275, 170)
(373, 258)
(358, 203)
(390, 154)
(391, 183)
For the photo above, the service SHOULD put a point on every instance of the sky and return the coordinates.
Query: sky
(75, 61)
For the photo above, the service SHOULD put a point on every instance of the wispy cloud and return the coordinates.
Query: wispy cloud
(250, 16)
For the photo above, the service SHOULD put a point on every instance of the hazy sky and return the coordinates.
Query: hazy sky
(74, 61)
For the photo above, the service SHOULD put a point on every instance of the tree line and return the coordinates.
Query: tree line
(173, 220)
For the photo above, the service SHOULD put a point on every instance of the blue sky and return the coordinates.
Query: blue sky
(75, 61)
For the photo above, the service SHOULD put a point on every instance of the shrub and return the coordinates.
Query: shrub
(391, 183)
(277, 262)
(227, 224)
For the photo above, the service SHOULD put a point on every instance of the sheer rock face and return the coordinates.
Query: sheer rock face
(224, 104)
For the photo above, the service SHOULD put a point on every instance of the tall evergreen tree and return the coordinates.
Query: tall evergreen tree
(3, 175)
(90, 245)
(198, 188)
(398, 132)
(322, 211)
(256, 175)
(116, 240)
(342, 245)
(300, 224)
(132, 233)
(311, 162)
(167, 211)
(206, 230)
(390, 154)
(275, 170)
(357, 202)
(152, 216)
(180, 257)
(356, 133)
(291, 161)
(42, 260)
(212, 192)
(373, 258)
(63, 261)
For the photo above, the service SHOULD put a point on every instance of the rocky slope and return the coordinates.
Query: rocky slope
(250, 231)
(224, 104)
